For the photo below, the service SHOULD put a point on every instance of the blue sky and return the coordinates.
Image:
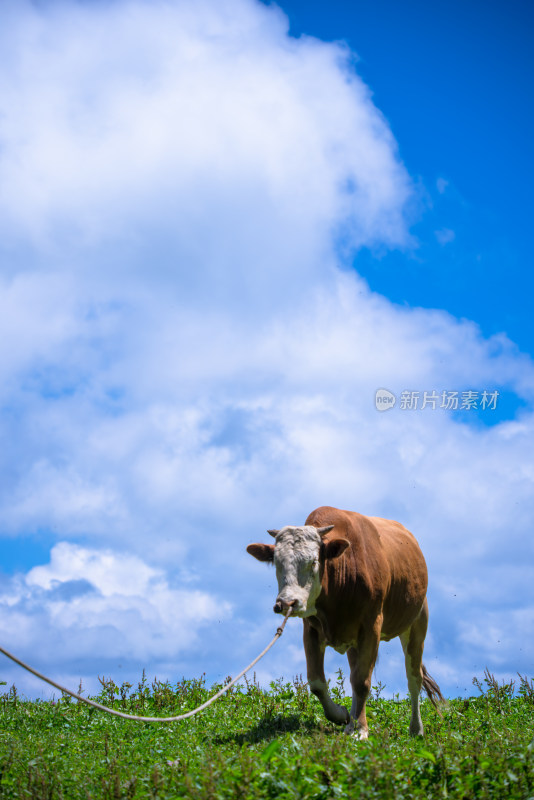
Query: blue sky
(453, 80)
(223, 228)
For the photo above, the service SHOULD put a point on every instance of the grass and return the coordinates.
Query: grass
(266, 744)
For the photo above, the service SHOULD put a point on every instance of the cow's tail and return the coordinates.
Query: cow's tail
(432, 689)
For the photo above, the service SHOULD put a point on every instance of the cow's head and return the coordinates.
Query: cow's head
(298, 554)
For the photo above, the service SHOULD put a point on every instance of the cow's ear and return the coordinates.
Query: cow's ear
(263, 552)
(335, 548)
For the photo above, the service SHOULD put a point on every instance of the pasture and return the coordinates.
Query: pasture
(274, 743)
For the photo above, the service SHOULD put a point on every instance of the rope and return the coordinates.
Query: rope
(135, 717)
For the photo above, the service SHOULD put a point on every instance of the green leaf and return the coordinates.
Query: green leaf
(422, 753)
(271, 750)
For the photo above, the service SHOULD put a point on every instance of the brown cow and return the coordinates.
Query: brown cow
(355, 581)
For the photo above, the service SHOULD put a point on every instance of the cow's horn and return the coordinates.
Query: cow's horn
(324, 531)
(273, 532)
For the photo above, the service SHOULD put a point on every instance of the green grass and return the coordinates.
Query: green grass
(266, 744)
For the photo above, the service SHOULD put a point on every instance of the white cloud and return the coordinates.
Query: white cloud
(110, 575)
(191, 363)
(149, 123)
(445, 236)
(101, 607)
(442, 185)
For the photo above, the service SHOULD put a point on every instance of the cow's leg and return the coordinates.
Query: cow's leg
(412, 641)
(314, 647)
(361, 661)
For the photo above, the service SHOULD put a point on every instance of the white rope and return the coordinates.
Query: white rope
(134, 717)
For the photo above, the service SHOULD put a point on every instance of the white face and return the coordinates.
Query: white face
(296, 558)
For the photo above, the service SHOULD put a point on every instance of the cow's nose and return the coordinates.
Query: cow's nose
(282, 605)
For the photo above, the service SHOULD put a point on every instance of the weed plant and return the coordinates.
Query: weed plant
(256, 743)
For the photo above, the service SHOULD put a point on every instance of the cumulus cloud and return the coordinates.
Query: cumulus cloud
(193, 360)
(171, 114)
(102, 608)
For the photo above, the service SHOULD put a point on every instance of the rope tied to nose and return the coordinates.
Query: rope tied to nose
(135, 717)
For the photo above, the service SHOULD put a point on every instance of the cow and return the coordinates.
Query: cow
(356, 581)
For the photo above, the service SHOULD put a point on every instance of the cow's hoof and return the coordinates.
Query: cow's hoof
(360, 733)
(417, 732)
(337, 714)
